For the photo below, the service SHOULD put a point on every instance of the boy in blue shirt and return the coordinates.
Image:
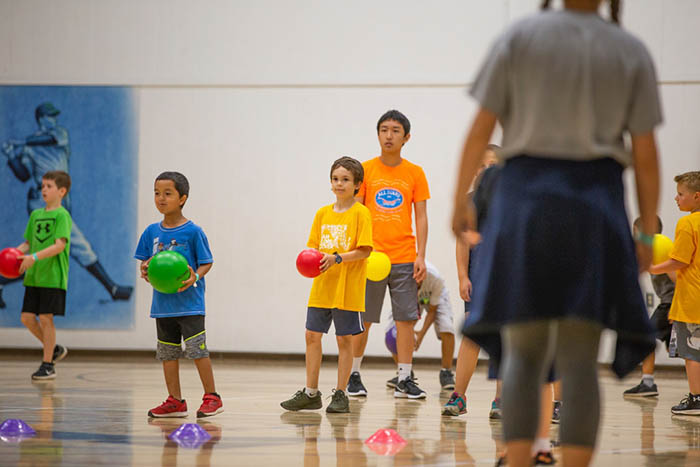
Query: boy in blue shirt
(179, 316)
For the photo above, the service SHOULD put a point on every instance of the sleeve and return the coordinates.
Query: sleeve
(363, 187)
(683, 245)
(645, 105)
(364, 229)
(64, 224)
(315, 234)
(201, 248)
(436, 287)
(143, 249)
(490, 87)
(421, 192)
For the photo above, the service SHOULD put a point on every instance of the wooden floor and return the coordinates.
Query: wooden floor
(94, 413)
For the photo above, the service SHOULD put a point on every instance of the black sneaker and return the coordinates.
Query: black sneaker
(302, 401)
(690, 405)
(556, 412)
(59, 353)
(339, 402)
(447, 380)
(45, 371)
(642, 390)
(409, 389)
(355, 386)
(391, 383)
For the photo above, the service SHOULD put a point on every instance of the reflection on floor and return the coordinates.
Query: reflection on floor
(94, 413)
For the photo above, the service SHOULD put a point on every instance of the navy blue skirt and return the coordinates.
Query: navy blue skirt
(557, 244)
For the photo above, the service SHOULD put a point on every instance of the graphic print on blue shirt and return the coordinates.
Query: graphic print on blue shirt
(190, 241)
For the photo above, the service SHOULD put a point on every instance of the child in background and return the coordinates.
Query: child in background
(179, 316)
(45, 269)
(685, 308)
(341, 231)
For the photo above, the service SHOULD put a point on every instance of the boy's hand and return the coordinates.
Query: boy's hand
(189, 282)
(27, 262)
(144, 270)
(418, 338)
(327, 261)
(465, 289)
(419, 270)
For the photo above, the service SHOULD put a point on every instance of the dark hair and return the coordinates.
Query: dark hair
(615, 6)
(59, 177)
(689, 179)
(181, 184)
(351, 165)
(660, 225)
(397, 116)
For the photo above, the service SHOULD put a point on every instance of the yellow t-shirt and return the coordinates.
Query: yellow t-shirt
(686, 299)
(390, 193)
(343, 285)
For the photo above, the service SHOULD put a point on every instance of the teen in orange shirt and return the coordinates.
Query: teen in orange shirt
(392, 190)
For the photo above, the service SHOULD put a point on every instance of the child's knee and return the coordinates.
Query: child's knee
(168, 351)
(28, 319)
(344, 342)
(46, 320)
(196, 347)
(313, 337)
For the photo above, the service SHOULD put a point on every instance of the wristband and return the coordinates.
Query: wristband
(35, 257)
(644, 239)
(196, 277)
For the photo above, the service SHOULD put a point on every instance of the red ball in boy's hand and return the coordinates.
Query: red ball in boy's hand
(309, 262)
(9, 263)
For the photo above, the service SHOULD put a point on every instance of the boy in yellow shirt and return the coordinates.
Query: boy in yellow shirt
(685, 308)
(341, 231)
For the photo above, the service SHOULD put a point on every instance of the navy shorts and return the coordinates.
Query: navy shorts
(347, 323)
(44, 301)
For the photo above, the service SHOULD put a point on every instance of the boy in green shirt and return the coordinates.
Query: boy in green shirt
(45, 267)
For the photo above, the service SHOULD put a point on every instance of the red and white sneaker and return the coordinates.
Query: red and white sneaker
(171, 408)
(211, 405)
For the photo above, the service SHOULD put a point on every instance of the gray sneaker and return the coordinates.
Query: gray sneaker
(45, 371)
(339, 402)
(408, 389)
(393, 382)
(302, 401)
(59, 353)
(447, 380)
(642, 390)
(355, 386)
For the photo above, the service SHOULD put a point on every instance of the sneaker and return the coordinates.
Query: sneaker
(544, 458)
(355, 386)
(642, 390)
(302, 401)
(59, 353)
(171, 408)
(495, 412)
(211, 405)
(45, 371)
(447, 380)
(556, 412)
(409, 389)
(690, 405)
(121, 292)
(455, 406)
(339, 402)
(391, 383)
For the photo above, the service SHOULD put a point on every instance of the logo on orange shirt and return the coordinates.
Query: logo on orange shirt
(388, 198)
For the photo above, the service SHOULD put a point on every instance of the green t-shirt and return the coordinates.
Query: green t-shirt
(43, 229)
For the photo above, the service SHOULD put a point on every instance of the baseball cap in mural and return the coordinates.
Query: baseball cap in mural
(47, 108)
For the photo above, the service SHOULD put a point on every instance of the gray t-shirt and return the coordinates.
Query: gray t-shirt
(567, 85)
(664, 287)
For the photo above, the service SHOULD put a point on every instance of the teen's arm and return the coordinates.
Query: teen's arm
(361, 252)
(669, 266)
(429, 320)
(421, 210)
(23, 247)
(29, 260)
(463, 218)
(195, 275)
(646, 175)
(462, 253)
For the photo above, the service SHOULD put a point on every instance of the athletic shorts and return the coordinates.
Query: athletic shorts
(171, 333)
(659, 319)
(44, 301)
(685, 341)
(347, 323)
(403, 290)
(444, 320)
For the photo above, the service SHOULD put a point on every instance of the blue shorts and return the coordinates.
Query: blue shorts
(346, 322)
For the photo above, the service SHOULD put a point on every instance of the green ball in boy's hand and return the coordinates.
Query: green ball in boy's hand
(167, 270)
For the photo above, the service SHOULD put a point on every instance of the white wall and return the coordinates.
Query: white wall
(253, 100)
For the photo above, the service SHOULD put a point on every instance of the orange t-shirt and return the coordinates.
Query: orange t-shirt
(389, 194)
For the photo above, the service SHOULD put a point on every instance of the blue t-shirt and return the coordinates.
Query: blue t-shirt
(189, 240)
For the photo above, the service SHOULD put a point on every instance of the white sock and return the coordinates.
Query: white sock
(404, 371)
(310, 391)
(356, 362)
(648, 380)
(541, 445)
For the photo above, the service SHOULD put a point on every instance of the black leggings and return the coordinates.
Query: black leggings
(529, 349)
